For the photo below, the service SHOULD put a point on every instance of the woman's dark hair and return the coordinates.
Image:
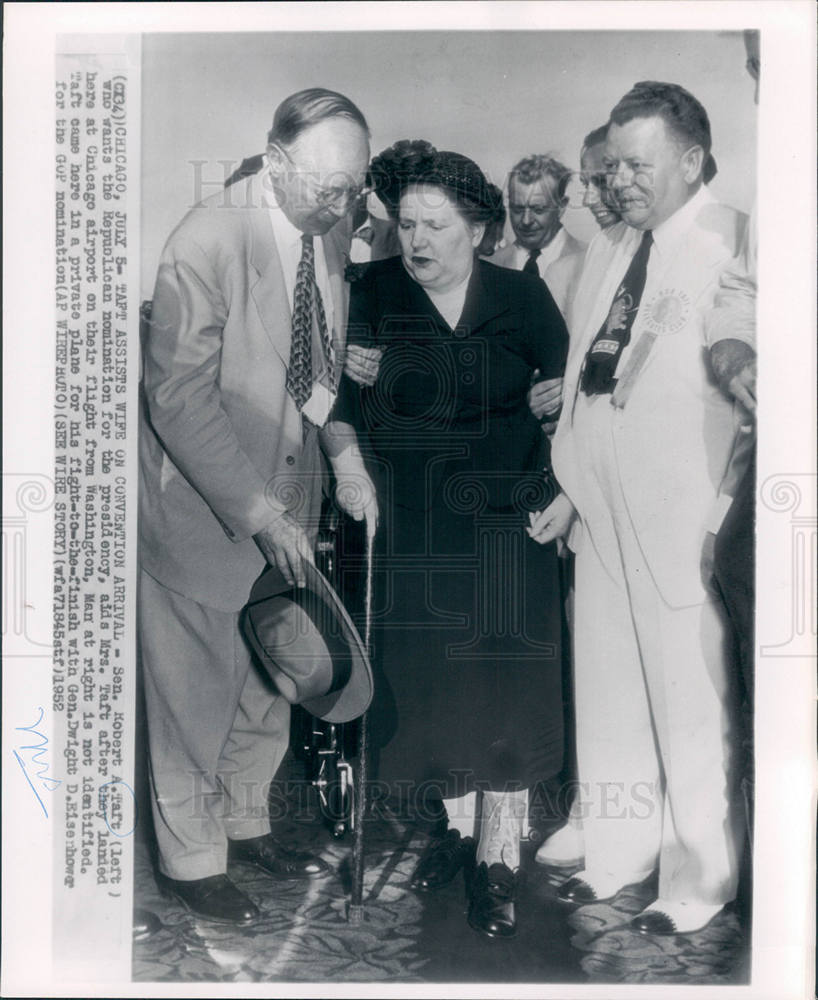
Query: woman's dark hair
(683, 115)
(415, 161)
(306, 108)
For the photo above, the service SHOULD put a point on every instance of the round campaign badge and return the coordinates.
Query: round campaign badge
(667, 311)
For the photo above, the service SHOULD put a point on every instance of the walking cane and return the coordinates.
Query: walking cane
(356, 903)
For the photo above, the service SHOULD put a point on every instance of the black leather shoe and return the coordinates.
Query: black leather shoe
(653, 922)
(214, 898)
(577, 890)
(491, 907)
(443, 861)
(145, 924)
(277, 860)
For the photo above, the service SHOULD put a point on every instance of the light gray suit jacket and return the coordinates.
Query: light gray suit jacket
(562, 274)
(220, 436)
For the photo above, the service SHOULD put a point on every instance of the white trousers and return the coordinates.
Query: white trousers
(653, 748)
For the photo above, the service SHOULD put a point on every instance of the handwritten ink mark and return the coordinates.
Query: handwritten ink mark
(41, 774)
(116, 805)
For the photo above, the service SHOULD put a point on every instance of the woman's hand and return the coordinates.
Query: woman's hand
(354, 490)
(362, 364)
(553, 522)
(545, 397)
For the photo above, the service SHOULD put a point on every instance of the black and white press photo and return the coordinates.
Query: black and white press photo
(427, 555)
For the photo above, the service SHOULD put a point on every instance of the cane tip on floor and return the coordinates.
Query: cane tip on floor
(355, 914)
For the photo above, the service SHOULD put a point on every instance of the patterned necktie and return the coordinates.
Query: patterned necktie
(604, 353)
(530, 266)
(306, 305)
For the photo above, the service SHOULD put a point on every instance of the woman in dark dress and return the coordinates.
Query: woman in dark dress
(468, 703)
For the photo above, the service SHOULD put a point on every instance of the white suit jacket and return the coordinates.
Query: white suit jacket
(674, 435)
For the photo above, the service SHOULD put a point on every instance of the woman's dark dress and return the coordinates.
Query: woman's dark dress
(466, 626)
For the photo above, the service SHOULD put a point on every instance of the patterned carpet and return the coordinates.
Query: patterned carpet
(304, 936)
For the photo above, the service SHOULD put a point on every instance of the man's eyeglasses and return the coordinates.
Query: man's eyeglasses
(331, 194)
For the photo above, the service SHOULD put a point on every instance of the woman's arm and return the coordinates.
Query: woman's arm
(354, 490)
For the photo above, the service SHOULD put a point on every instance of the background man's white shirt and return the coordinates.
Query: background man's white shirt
(548, 254)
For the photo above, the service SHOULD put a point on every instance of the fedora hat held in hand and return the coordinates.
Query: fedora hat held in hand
(309, 646)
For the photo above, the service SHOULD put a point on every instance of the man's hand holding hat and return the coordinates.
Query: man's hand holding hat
(284, 545)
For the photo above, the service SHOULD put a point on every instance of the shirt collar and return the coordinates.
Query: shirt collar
(667, 234)
(554, 243)
(285, 232)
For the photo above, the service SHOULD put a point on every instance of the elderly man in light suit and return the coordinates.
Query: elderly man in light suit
(644, 441)
(240, 365)
(537, 199)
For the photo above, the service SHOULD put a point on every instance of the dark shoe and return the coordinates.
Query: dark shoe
(214, 898)
(281, 862)
(491, 907)
(443, 861)
(653, 922)
(577, 890)
(145, 924)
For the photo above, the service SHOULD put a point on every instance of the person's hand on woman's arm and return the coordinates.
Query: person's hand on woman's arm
(553, 522)
(545, 397)
(362, 364)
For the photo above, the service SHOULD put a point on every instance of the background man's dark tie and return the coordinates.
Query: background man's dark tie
(530, 266)
(306, 305)
(604, 353)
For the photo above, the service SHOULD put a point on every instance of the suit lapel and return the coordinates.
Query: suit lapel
(597, 287)
(268, 290)
(336, 249)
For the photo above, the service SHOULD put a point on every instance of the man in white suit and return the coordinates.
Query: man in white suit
(643, 442)
(240, 362)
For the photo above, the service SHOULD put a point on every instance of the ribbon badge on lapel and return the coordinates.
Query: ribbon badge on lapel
(667, 312)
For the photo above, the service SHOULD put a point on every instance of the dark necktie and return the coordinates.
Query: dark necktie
(530, 266)
(604, 353)
(307, 305)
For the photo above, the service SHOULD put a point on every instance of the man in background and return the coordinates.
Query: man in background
(537, 199)
(729, 556)
(563, 275)
(564, 848)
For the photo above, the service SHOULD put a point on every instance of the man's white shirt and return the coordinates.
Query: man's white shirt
(289, 246)
(548, 254)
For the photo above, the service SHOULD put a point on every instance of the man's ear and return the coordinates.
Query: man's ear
(692, 163)
(275, 158)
